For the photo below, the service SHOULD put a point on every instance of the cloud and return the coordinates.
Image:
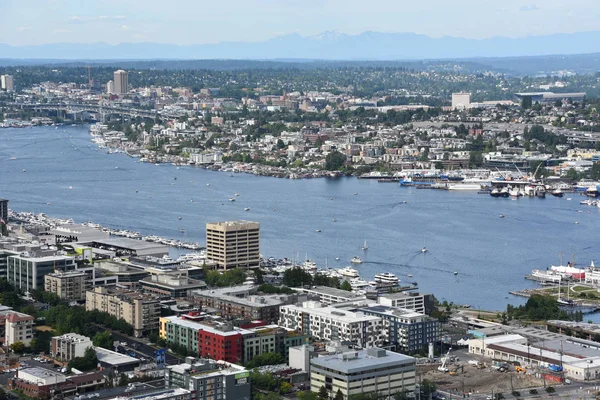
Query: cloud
(529, 7)
(61, 31)
(23, 28)
(125, 28)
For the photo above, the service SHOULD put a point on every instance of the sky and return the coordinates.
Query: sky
(184, 22)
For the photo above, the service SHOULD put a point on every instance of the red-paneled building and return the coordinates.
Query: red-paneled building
(220, 345)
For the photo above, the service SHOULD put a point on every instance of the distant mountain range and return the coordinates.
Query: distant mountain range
(326, 46)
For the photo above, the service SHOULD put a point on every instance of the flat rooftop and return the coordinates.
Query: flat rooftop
(114, 358)
(362, 362)
(330, 291)
(131, 244)
(161, 394)
(41, 373)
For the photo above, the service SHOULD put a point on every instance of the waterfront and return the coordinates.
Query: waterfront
(67, 176)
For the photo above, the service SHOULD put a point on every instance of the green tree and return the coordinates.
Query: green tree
(307, 395)
(475, 159)
(88, 362)
(280, 144)
(103, 339)
(323, 393)
(526, 102)
(265, 359)
(428, 387)
(339, 395)
(550, 389)
(18, 347)
(334, 161)
(295, 277)
(346, 286)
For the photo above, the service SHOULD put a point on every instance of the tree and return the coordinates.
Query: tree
(103, 339)
(323, 393)
(280, 144)
(307, 395)
(18, 347)
(526, 102)
(334, 161)
(550, 389)
(265, 359)
(475, 159)
(88, 362)
(295, 277)
(339, 395)
(346, 286)
(428, 387)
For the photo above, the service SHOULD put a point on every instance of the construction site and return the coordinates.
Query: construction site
(476, 375)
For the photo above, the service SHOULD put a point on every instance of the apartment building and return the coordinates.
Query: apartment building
(362, 372)
(271, 339)
(18, 327)
(329, 323)
(418, 302)
(406, 330)
(68, 346)
(233, 244)
(244, 302)
(139, 310)
(70, 285)
(210, 379)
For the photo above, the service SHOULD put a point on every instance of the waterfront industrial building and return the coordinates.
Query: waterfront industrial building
(233, 244)
(370, 371)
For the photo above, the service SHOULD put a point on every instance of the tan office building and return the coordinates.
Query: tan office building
(233, 244)
(139, 310)
(121, 82)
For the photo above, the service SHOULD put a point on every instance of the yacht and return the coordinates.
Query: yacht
(464, 186)
(365, 246)
(309, 265)
(246, 209)
(424, 250)
(514, 192)
(358, 283)
(387, 278)
(231, 199)
(495, 192)
(504, 192)
(356, 260)
(557, 193)
(348, 272)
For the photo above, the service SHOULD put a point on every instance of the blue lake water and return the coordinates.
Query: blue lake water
(462, 231)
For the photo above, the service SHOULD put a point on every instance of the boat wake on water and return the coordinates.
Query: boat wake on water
(409, 266)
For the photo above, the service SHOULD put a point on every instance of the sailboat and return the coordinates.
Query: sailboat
(365, 247)
(567, 301)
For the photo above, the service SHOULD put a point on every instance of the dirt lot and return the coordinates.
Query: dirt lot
(469, 379)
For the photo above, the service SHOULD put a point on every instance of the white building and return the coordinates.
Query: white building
(461, 101)
(41, 376)
(408, 301)
(7, 83)
(69, 346)
(329, 323)
(18, 327)
(110, 87)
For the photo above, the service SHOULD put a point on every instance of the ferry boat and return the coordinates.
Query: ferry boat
(356, 260)
(348, 272)
(387, 278)
(545, 276)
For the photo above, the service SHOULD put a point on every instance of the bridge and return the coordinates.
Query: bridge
(75, 108)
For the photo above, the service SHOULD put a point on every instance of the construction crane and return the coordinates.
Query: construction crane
(443, 368)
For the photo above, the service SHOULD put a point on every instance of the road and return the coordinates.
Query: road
(143, 349)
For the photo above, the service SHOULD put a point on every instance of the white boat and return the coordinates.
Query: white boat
(309, 266)
(387, 278)
(464, 186)
(337, 259)
(358, 283)
(424, 250)
(231, 199)
(514, 192)
(356, 260)
(348, 272)
(246, 209)
(365, 246)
